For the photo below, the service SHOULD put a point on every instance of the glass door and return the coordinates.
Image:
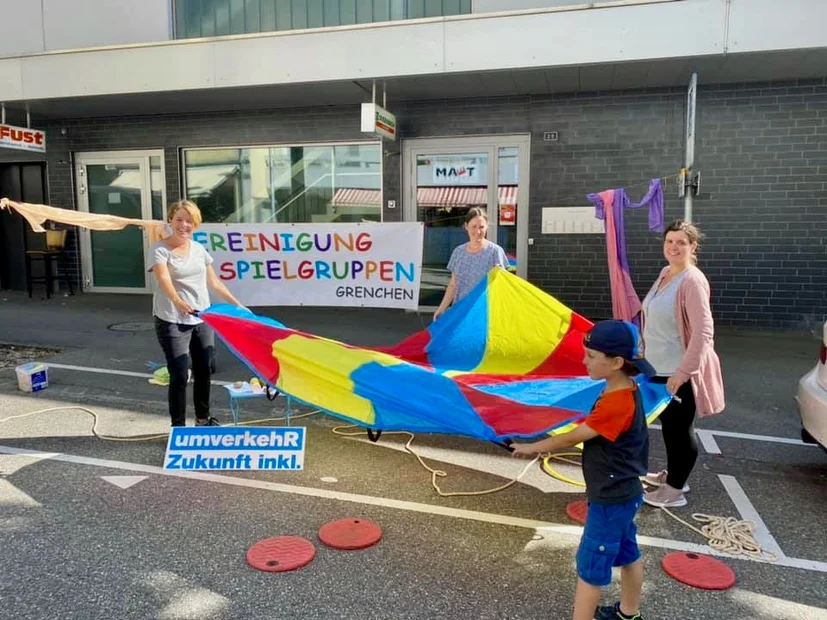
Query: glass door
(128, 184)
(448, 185)
(508, 205)
(443, 179)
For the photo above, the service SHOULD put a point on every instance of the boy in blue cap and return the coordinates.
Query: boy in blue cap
(615, 442)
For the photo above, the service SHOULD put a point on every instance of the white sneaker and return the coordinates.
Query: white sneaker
(665, 497)
(659, 479)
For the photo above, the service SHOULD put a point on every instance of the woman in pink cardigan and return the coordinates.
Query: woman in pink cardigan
(678, 336)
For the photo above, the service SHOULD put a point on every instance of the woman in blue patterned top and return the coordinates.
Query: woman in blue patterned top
(471, 261)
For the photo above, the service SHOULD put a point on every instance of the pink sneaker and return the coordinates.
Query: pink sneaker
(665, 497)
(659, 479)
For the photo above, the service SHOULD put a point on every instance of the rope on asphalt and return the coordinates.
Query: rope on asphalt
(94, 425)
(436, 473)
(724, 534)
(135, 437)
(728, 535)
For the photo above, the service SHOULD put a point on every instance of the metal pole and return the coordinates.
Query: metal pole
(690, 146)
(384, 95)
(373, 92)
(2, 113)
(28, 117)
(271, 176)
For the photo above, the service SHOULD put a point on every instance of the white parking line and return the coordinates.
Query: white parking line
(764, 438)
(749, 513)
(707, 437)
(540, 527)
(112, 371)
(101, 371)
(708, 442)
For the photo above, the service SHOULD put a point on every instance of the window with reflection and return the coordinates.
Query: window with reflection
(211, 18)
(286, 184)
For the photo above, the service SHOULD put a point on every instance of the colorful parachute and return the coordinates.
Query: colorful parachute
(504, 362)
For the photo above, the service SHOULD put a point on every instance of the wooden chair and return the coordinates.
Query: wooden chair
(54, 252)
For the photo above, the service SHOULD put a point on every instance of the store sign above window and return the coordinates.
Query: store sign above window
(22, 139)
(377, 120)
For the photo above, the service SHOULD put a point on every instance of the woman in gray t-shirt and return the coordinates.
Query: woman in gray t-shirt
(471, 261)
(184, 273)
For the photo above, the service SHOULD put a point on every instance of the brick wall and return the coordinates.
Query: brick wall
(762, 151)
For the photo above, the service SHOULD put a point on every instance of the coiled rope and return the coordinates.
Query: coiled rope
(728, 535)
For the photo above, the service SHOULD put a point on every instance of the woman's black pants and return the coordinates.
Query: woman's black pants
(678, 427)
(180, 343)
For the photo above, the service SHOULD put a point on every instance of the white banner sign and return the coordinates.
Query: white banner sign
(22, 138)
(211, 448)
(365, 264)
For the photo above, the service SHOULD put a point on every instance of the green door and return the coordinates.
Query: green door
(131, 187)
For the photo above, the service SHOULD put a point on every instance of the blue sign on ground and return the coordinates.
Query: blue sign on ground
(215, 448)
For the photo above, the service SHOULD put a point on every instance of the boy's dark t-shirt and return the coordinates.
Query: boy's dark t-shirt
(614, 461)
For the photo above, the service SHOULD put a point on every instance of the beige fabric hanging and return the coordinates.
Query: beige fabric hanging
(36, 215)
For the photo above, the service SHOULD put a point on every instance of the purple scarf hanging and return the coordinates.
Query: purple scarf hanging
(653, 199)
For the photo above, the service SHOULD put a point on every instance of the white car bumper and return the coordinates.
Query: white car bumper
(812, 407)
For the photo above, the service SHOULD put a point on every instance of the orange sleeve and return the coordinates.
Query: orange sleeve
(612, 414)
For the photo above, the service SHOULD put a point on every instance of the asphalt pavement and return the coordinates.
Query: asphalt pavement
(172, 545)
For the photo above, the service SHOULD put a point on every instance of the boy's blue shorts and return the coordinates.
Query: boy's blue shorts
(609, 539)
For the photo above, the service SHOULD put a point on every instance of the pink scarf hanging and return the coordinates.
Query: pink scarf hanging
(625, 302)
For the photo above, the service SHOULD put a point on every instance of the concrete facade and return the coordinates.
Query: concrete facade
(653, 35)
(49, 25)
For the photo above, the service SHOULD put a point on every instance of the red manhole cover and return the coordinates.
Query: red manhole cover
(699, 571)
(577, 510)
(350, 534)
(276, 555)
